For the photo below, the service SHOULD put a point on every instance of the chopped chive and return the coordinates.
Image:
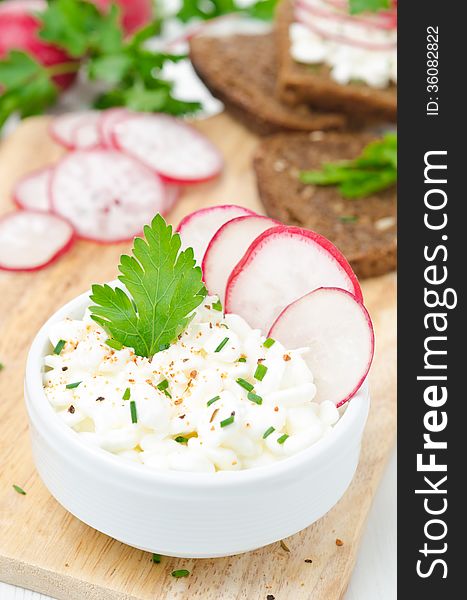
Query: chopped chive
(282, 439)
(269, 342)
(245, 384)
(115, 344)
(126, 394)
(2, 366)
(215, 399)
(217, 305)
(260, 372)
(228, 421)
(255, 398)
(19, 489)
(181, 440)
(134, 414)
(180, 573)
(222, 344)
(59, 347)
(156, 558)
(163, 387)
(72, 386)
(348, 218)
(268, 432)
(241, 359)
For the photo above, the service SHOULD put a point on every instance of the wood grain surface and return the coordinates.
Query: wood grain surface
(44, 548)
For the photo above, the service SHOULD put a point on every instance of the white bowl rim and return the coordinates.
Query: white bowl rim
(350, 424)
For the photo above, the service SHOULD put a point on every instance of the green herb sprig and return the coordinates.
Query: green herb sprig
(374, 170)
(164, 287)
(191, 9)
(359, 6)
(96, 45)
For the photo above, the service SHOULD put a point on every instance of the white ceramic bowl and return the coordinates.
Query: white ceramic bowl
(193, 515)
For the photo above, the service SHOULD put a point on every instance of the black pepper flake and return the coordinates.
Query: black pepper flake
(308, 560)
(100, 398)
(64, 368)
(270, 597)
(71, 409)
(182, 416)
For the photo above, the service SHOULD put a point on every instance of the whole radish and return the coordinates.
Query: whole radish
(19, 28)
(135, 13)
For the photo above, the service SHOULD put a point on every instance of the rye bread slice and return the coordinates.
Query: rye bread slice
(298, 83)
(363, 229)
(240, 70)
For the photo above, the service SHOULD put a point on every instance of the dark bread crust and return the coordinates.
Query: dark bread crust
(240, 70)
(296, 83)
(369, 243)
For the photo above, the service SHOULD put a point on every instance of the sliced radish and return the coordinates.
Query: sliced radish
(227, 247)
(281, 265)
(76, 130)
(174, 149)
(172, 194)
(197, 228)
(106, 123)
(31, 240)
(338, 330)
(106, 195)
(33, 191)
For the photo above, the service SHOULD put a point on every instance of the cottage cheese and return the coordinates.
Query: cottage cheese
(227, 433)
(348, 62)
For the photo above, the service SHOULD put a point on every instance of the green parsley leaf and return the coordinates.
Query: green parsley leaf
(359, 6)
(18, 69)
(80, 28)
(165, 286)
(28, 86)
(156, 558)
(217, 305)
(114, 344)
(374, 170)
(263, 9)
(19, 489)
(200, 9)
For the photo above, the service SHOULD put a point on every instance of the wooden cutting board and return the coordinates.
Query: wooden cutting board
(44, 548)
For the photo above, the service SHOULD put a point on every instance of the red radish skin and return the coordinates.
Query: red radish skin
(135, 13)
(341, 13)
(281, 265)
(64, 130)
(307, 20)
(172, 195)
(197, 228)
(227, 248)
(32, 192)
(338, 330)
(106, 195)
(175, 150)
(19, 29)
(105, 125)
(23, 232)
